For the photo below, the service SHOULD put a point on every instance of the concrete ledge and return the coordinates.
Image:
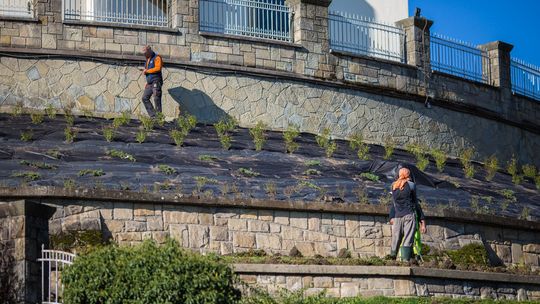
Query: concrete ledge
(42, 193)
(251, 39)
(336, 271)
(382, 60)
(124, 26)
(19, 19)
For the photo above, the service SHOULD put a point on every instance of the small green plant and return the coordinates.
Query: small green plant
(361, 195)
(512, 168)
(270, 189)
(18, 109)
(167, 169)
(186, 123)
(141, 136)
(475, 204)
(313, 163)
(91, 172)
(160, 119)
(177, 136)
(529, 171)
(223, 129)
(70, 134)
(207, 158)
(440, 159)
(147, 122)
(341, 191)
(324, 140)
(201, 181)
(308, 184)
(37, 118)
(471, 254)
(312, 171)
(389, 146)
(50, 111)
(28, 176)
(525, 213)
(289, 136)
(88, 114)
(419, 151)
(27, 135)
(537, 181)
(108, 133)
(508, 194)
(385, 199)
(466, 161)
(369, 176)
(37, 165)
(121, 155)
(356, 142)
(122, 120)
(68, 114)
(248, 172)
(55, 153)
(258, 135)
(69, 184)
(491, 165)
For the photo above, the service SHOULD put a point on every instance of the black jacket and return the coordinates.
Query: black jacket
(406, 202)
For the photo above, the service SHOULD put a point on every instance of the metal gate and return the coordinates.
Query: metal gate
(53, 262)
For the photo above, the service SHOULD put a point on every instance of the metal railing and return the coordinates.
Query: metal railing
(525, 78)
(360, 35)
(459, 58)
(53, 262)
(132, 12)
(17, 8)
(268, 19)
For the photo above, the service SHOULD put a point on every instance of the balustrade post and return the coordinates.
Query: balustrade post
(498, 70)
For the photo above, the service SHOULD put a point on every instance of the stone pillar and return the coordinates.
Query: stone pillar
(498, 67)
(310, 29)
(417, 51)
(23, 229)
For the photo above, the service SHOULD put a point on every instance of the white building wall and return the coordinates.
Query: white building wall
(381, 10)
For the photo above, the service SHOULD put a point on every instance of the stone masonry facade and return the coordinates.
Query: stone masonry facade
(226, 230)
(106, 88)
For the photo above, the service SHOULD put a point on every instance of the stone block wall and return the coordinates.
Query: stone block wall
(226, 230)
(106, 88)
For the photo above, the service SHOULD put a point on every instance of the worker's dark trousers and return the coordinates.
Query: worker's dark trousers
(150, 89)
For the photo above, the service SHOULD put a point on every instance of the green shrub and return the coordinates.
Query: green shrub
(167, 169)
(69, 240)
(207, 158)
(440, 159)
(513, 170)
(312, 171)
(248, 172)
(185, 124)
(389, 146)
(122, 120)
(18, 109)
(419, 151)
(160, 119)
(525, 213)
(50, 111)
(537, 181)
(92, 172)
(37, 118)
(491, 166)
(369, 176)
(141, 136)
(324, 140)
(148, 274)
(27, 135)
(289, 136)
(466, 162)
(270, 189)
(69, 184)
(28, 176)
(258, 135)
(356, 143)
(201, 181)
(121, 155)
(147, 122)
(313, 163)
(37, 165)
(308, 184)
(108, 133)
(470, 255)
(177, 136)
(361, 195)
(529, 171)
(70, 134)
(223, 129)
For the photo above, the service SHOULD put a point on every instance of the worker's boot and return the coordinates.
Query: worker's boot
(406, 253)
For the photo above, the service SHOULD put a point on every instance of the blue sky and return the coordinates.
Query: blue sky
(479, 21)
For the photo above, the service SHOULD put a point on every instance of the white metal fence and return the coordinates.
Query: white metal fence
(53, 262)
(17, 8)
(360, 35)
(459, 58)
(269, 19)
(525, 78)
(134, 12)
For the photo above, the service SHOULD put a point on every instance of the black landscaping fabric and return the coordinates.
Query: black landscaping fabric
(339, 175)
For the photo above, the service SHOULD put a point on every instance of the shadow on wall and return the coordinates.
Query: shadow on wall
(197, 103)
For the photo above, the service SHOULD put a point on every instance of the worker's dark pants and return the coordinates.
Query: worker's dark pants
(155, 89)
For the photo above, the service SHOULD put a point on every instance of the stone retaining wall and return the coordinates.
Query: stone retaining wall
(225, 229)
(368, 281)
(105, 88)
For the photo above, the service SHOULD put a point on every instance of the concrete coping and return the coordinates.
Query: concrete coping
(19, 19)
(36, 193)
(397, 271)
(250, 39)
(382, 60)
(124, 26)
